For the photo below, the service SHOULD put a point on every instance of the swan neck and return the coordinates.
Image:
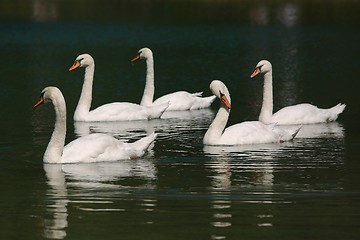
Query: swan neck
(267, 105)
(55, 147)
(84, 103)
(216, 128)
(149, 90)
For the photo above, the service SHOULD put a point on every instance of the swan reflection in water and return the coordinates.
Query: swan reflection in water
(88, 180)
(246, 172)
(256, 159)
(55, 226)
(126, 129)
(130, 129)
(235, 169)
(320, 130)
(242, 156)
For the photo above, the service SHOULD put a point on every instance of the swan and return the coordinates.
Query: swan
(179, 101)
(117, 111)
(95, 147)
(249, 132)
(303, 113)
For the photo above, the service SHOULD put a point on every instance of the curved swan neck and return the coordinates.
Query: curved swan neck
(149, 90)
(267, 105)
(217, 127)
(84, 103)
(55, 147)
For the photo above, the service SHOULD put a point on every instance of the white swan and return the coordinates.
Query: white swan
(297, 114)
(118, 111)
(250, 132)
(95, 147)
(179, 101)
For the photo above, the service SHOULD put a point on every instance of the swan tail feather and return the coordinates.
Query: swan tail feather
(295, 132)
(143, 144)
(158, 110)
(290, 134)
(335, 111)
(203, 102)
(197, 94)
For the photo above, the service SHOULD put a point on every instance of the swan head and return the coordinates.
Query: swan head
(82, 60)
(48, 94)
(143, 53)
(263, 66)
(219, 89)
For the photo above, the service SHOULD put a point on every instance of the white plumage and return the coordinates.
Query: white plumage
(96, 147)
(178, 101)
(297, 114)
(250, 132)
(118, 111)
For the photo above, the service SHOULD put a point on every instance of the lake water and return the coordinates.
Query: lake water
(181, 189)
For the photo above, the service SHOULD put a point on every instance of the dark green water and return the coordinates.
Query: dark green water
(305, 189)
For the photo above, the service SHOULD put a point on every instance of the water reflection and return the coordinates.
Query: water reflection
(171, 123)
(287, 14)
(259, 15)
(286, 62)
(255, 159)
(45, 10)
(88, 180)
(247, 174)
(287, 82)
(321, 130)
(184, 123)
(237, 167)
(221, 195)
(241, 191)
(55, 226)
(196, 115)
(125, 129)
(104, 174)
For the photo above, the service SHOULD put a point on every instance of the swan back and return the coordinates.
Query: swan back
(95, 147)
(303, 113)
(178, 101)
(250, 132)
(117, 111)
(101, 147)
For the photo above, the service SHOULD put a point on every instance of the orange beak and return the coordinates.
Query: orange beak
(225, 101)
(75, 65)
(41, 101)
(135, 58)
(256, 72)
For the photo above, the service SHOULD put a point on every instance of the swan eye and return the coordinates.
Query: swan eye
(224, 100)
(42, 96)
(41, 100)
(259, 67)
(79, 60)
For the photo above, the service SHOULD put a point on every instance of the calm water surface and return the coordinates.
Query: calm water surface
(181, 189)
